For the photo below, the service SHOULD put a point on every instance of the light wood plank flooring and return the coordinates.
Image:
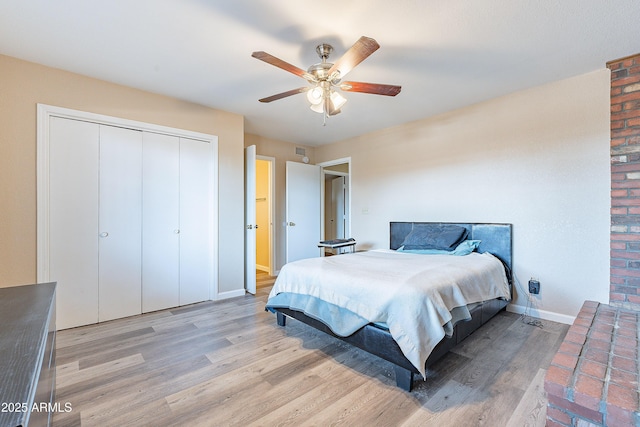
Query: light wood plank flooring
(228, 363)
(263, 279)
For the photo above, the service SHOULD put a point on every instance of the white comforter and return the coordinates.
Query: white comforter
(413, 294)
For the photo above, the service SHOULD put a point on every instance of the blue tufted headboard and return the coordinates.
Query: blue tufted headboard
(495, 238)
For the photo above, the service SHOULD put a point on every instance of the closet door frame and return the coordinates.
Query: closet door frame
(45, 112)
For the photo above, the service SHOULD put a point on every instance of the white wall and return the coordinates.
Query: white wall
(538, 159)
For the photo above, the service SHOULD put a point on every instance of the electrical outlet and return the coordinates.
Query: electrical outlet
(534, 287)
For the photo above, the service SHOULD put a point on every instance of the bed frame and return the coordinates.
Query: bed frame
(496, 239)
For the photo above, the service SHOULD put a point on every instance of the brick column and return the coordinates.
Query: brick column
(593, 378)
(625, 182)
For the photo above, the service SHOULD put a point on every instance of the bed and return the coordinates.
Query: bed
(376, 301)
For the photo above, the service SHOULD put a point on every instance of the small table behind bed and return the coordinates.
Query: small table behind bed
(496, 239)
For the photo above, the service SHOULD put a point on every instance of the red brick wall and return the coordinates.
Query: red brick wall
(593, 378)
(625, 182)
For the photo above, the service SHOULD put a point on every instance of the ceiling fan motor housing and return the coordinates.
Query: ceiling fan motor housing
(320, 71)
(324, 50)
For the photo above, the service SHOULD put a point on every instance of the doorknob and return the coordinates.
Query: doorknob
(291, 224)
(104, 234)
(256, 227)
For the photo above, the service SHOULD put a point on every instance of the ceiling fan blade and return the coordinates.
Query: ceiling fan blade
(357, 53)
(374, 88)
(284, 94)
(270, 59)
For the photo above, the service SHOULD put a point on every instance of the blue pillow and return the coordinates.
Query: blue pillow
(464, 248)
(435, 236)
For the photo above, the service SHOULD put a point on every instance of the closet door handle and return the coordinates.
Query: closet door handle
(104, 234)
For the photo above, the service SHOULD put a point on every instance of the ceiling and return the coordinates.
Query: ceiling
(444, 54)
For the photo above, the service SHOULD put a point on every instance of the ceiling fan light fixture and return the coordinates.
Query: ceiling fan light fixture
(314, 95)
(318, 108)
(337, 100)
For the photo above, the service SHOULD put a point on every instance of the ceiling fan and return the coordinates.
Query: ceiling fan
(325, 77)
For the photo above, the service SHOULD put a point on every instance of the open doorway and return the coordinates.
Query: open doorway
(265, 197)
(336, 206)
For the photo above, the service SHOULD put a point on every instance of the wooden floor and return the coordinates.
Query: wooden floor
(263, 279)
(228, 363)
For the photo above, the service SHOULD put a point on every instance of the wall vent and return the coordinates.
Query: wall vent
(300, 151)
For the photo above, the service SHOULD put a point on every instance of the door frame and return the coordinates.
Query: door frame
(272, 212)
(44, 114)
(324, 165)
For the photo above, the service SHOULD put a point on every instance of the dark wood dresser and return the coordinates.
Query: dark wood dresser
(27, 355)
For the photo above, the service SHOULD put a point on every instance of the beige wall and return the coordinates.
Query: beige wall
(282, 151)
(24, 84)
(538, 159)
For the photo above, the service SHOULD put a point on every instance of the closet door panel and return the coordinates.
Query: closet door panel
(195, 220)
(120, 222)
(160, 221)
(73, 220)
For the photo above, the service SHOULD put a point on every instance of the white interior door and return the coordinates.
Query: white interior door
(73, 220)
(250, 219)
(303, 216)
(196, 220)
(120, 223)
(160, 221)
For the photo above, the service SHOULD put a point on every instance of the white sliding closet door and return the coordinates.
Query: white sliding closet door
(196, 204)
(73, 220)
(127, 215)
(160, 221)
(120, 223)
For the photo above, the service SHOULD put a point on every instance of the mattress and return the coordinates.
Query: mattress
(417, 297)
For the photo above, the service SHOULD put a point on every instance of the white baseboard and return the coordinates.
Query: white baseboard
(230, 294)
(542, 314)
(262, 268)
